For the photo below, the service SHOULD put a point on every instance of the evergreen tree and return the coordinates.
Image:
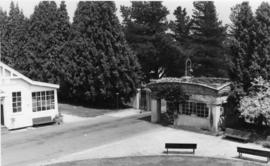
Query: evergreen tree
(242, 47)
(181, 26)
(14, 38)
(172, 56)
(249, 49)
(181, 29)
(100, 64)
(208, 36)
(261, 58)
(144, 23)
(3, 31)
(48, 32)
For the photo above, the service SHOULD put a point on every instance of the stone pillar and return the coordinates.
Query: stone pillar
(155, 110)
(137, 100)
(216, 115)
(148, 99)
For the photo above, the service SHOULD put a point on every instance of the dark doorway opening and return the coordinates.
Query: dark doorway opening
(2, 114)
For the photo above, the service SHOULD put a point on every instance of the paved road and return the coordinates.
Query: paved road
(50, 142)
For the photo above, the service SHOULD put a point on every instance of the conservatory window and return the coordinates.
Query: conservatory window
(42, 101)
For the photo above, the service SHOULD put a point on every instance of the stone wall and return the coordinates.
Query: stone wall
(191, 89)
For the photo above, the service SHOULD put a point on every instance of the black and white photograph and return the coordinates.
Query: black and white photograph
(135, 83)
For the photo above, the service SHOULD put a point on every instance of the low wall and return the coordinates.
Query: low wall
(192, 121)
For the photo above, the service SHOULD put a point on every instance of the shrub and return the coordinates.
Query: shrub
(266, 144)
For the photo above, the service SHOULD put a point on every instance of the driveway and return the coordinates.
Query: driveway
(39, 145)
(118, 134)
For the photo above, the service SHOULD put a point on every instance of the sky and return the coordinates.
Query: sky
(223, 7)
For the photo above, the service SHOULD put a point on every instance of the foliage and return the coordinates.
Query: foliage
(13, 36)
(172, 56)
(48, 32)
(256, 106)
(181, 32)
(266, 144)
(3, 32)
(171, 92)
(208, 35)
(99, 62)
(261, 57)
(181, 26)
(145, 25)
(249, 48)
(242, 46)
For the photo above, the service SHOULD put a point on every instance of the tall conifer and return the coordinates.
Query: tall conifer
(242, 47)
(3, 34)
(261, 56)
(181, 26)
(208, 35)
(144, 24)
(48, 32)
(100, 63)
(14, 38)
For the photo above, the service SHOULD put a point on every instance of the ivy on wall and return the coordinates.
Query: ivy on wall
(172, 93)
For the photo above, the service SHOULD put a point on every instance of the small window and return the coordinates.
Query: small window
(16, 102)
(198, 109)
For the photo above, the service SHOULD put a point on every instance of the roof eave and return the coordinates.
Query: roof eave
(56, 86)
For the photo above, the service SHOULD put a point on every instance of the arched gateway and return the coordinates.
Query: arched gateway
(203, 107)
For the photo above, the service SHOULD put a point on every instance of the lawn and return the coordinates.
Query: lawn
(82, 111)
(159, 161)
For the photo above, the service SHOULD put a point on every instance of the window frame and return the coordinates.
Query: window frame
(197, 109)
(16, 102)
(43, 101)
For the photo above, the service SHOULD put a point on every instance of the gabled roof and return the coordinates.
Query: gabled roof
(209, 82)
(13, 74)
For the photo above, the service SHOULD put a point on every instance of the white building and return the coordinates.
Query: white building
(25, 102)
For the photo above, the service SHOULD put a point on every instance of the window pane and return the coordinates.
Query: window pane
(38, 104)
